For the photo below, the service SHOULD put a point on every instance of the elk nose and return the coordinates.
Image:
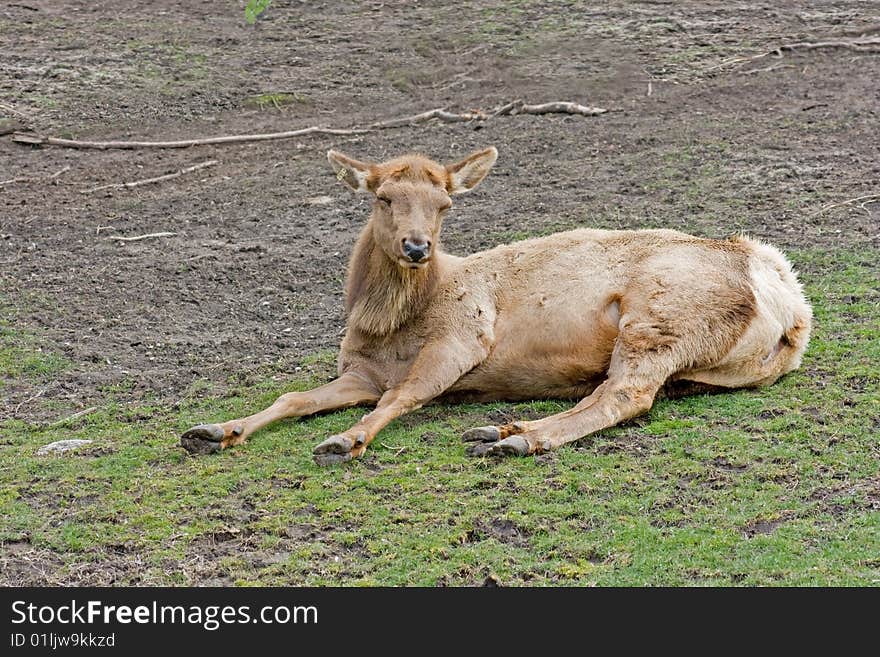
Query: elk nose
(416, 249)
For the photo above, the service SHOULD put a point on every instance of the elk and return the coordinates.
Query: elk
(606, 317)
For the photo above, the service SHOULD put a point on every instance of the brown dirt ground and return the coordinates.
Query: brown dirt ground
(254, 275)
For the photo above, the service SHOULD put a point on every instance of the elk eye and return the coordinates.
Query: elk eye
(384, 199)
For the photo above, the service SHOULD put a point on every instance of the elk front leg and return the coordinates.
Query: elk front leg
(434, 370)
(348, 390)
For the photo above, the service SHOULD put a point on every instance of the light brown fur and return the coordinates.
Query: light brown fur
(608, 317)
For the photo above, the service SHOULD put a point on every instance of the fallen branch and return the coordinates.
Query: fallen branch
(39, 140)
(864, 199)
(852, 44)
(149, 181)
(561, 108)
(440, 113)
(862, 45)
(138, 238)
(510, 109)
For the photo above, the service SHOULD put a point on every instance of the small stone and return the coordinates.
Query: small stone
(319, 200)
(62, 446)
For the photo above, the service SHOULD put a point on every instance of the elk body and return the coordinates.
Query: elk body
(606, 317)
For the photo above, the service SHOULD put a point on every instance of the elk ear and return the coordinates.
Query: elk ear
(465, 175)
(350, 171)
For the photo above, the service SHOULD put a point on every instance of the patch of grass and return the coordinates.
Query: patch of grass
(779, 486)
(21, 358)
(407, 79)
(22, 355)
(276, 100)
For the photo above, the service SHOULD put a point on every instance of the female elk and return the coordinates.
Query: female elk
(607, 317)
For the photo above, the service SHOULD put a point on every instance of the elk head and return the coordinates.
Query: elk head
(411, 194)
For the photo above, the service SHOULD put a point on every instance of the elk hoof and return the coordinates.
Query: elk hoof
(329, 458)
(336, 449)
(481, 434)
(511, 446)
(203, 439)
(478, 449)
(334, 445)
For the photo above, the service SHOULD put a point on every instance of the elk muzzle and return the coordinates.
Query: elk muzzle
(416, 249)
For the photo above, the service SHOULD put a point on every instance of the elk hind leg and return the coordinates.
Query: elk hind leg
(637, 371)
(611, 403)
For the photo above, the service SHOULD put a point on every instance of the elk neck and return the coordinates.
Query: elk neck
(380, 295)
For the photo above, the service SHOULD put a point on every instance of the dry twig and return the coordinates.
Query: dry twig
(138, 238)
(149, 181)
(12, 110)
(39, 394)
(864, 199)
(23, 179)
(400, 450)
(78, 414)
(767, 69)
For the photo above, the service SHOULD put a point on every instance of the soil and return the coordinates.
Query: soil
(703, 134)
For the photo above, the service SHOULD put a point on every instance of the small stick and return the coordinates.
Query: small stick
(149, 181)
(12, 110)
(59, 172)
(84, 412)
(35, 178)
(30, 399)
(201, 256)
(864, 198)
(138, 238)
(767, 69)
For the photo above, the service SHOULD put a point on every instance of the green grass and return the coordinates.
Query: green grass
(779, 486)
(22, 355)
